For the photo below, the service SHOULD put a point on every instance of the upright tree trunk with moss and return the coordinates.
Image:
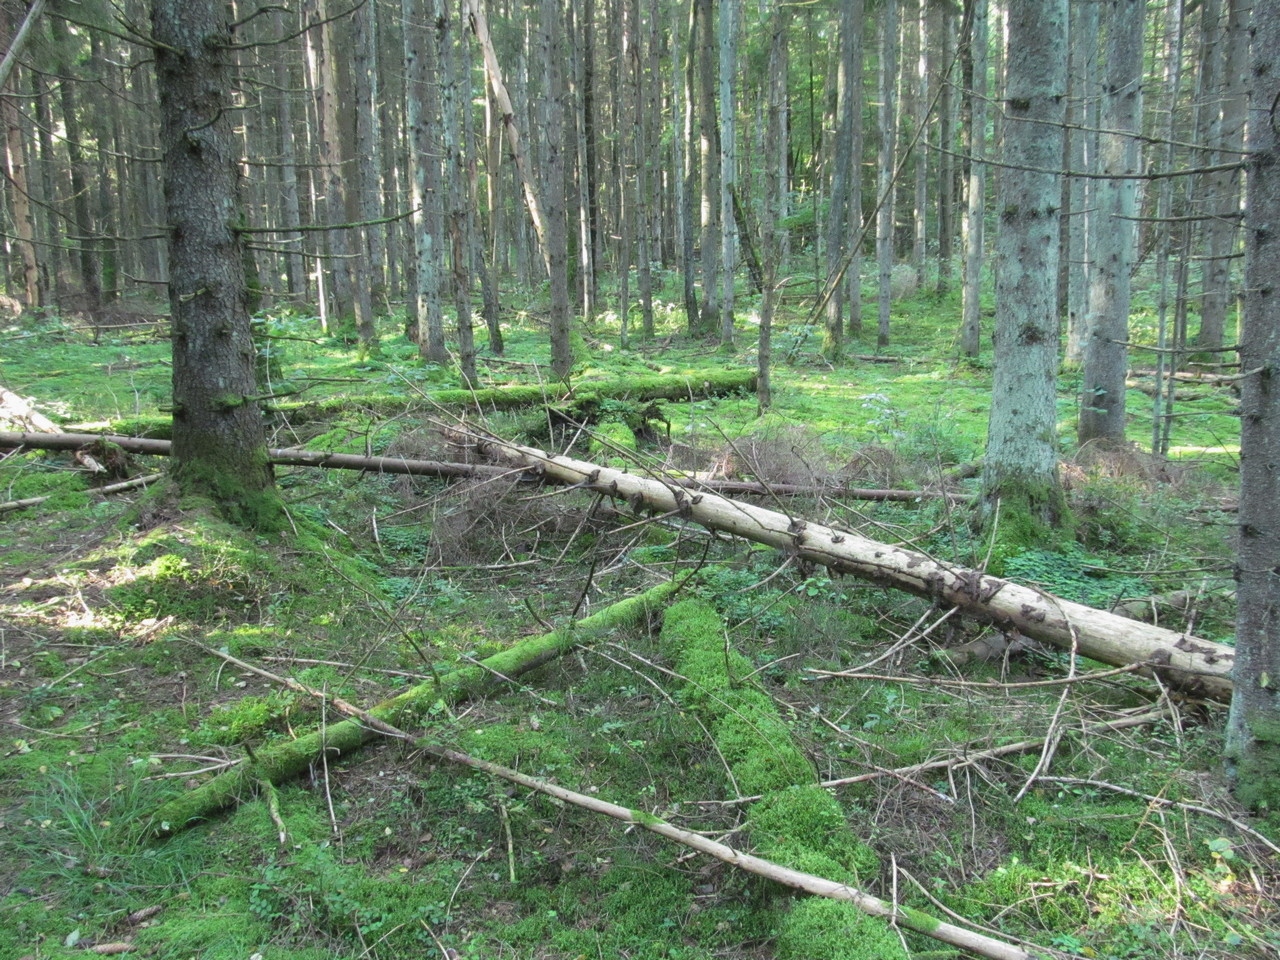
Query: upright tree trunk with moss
(1021, 491)
(1102, 401)
(1253, 726)
(219, 446)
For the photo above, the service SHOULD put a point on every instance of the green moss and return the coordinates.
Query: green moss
(835, 931)
(1257, 780)
(1019, 514)
(809, 816)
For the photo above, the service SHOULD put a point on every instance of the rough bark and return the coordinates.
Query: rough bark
(422, 100)
(83, 242)
(551, 39)
(219, 446)
(1223, 187)
(1085, 95)
(888, 153)
(843, 169)
(709, 156)
(774, 187)
(1187, 662)
(1102, 406)
(728, 163)
(1253, 727)
(975, 210)
(1020, 471)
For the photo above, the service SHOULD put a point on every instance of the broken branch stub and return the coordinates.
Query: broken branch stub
(1196, 666)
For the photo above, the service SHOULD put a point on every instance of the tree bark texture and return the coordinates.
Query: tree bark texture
(1184, 661)
(1102, 402)
(422, 107)
(219, 446)
(976, 203)
(888, 153)
(1020, 471)
(1253, 727)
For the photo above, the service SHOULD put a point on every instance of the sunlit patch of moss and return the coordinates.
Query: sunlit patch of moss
(809, 817)
(828, 928)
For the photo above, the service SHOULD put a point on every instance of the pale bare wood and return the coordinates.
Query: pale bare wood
(1192, 664)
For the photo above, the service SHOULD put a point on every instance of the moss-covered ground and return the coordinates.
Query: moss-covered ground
(112, 704)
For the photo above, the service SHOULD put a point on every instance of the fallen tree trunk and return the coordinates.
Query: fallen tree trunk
(277, 764)
(908, 917)
(807, 882)
(22, 412)
(579, 400)
(1200, 667)
(447, 468)
(100, 491)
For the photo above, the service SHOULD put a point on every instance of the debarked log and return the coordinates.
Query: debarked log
(1197, 666)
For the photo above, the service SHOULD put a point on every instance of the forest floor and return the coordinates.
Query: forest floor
(113, 698)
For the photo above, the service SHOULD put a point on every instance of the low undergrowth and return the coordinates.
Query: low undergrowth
(999, 795)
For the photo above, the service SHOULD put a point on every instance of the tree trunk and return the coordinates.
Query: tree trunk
(82, 220)
(16, 173)
(219, 446)
(369, 146)
(1222, 189)
(771, 228)
(1086, 92)
(422, 99)
(455, 101)
(915, 96)
(709, 155)
(688, 175)
(551, 38)
(845, 166)
(854, 228)
(1187, 662)
(888, 152)
(728, 29)
(976, 204)
(1020, 471)
(1102, 406)
(1253, 727)
(946, 162)
(480, 26)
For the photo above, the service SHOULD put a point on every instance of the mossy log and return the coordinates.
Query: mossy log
(276, 764)
(581, 398)
(1197, 666)
(912, 919)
